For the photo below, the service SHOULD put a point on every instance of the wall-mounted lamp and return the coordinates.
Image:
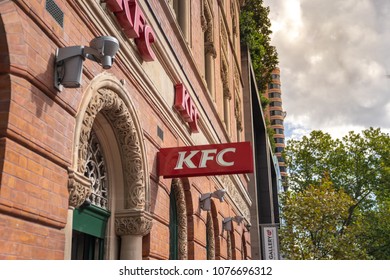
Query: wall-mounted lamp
(227, 223)
(68, 66)
(248, 226)
(205, 199)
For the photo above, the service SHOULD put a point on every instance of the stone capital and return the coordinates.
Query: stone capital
(133, 222)
(79, 188)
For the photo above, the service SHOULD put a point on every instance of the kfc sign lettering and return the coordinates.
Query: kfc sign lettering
(132, 20)
(186, 107)
(206, 156)
(218, 159)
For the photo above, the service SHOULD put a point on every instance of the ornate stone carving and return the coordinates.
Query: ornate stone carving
(238, 112)
(229, 245)
(224, 77)
(210, 49)
(115, 110)
(207, 27)
(234, 17)
(223, 36)
(177, 188)
(133, 223)
(79, 188)
(236, 197)
(210, 237)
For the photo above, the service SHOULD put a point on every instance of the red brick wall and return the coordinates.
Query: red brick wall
(37, 126)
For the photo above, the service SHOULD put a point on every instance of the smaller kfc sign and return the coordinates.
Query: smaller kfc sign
(216, 159)
(186, 107)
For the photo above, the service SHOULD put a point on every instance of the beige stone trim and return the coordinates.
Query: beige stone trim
(106, 95)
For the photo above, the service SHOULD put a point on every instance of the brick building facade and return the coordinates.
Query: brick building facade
(78, 167)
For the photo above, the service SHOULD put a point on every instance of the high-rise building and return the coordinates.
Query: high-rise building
(276, 115)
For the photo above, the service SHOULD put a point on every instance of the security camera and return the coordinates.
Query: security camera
(102, 50)
(205, 199)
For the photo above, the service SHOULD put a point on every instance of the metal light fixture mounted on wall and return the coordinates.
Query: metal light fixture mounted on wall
(205, 199)
(68, 66)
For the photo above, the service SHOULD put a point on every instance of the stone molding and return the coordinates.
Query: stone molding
(115, 110)
(210, 237)
(79, 188)
(235, 196)
(177, 188)
(133, 222)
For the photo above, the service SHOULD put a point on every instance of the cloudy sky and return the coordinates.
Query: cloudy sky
(334, 57)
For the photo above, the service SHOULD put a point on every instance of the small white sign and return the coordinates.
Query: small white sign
(270, 242)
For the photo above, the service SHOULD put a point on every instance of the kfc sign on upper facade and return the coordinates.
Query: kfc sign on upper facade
(186, 107)
(217, 159)
(132, 20)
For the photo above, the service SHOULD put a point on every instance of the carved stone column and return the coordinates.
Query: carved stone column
(131, 225)
(79, 188)
(211, 54)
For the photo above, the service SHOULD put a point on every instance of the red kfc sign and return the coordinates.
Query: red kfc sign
(216, 159)
(132, 20)
(186, 107)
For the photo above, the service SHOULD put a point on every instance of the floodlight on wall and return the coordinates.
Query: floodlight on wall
(227, 223)
(205, 199)
(68, 66)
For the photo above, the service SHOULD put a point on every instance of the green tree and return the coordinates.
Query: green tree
(255, 32)
(358, 164)
(313, 225)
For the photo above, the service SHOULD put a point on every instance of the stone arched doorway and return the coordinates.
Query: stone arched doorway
(107, 99)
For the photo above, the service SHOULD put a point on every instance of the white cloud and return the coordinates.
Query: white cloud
(334, 57)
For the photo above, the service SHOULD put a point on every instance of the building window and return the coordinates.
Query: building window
(275, 104)
(90, 219)
(275, 77)
(275, 95)
(279, 140)
(173, 228)
(276, 113)
(279, 131)
(182, 12)
(272, 85)
(279, 149)
(276, 122)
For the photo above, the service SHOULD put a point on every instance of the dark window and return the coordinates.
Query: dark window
(274, 122)
(86, 246)
(173, 228)
(279, 140)
(275, 95)
(276, 113)
(272, 85)
(279, 149)
(276, 103)
(279, 131)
